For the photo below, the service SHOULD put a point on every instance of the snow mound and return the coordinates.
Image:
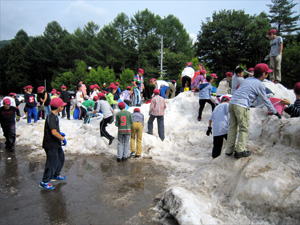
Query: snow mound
(262, 189)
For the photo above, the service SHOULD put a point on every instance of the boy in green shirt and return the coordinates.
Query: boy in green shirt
(123, 122)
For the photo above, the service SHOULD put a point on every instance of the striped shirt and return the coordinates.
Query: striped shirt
(158, 105)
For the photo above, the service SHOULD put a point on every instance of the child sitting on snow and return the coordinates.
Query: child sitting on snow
(126, 95)
(293, 109)
(220, 120)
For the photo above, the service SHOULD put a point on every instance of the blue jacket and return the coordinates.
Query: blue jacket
(205, 90)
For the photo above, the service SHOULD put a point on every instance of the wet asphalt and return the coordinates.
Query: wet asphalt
(98, 190)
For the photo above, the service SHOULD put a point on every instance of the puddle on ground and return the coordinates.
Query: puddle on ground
(98, 190)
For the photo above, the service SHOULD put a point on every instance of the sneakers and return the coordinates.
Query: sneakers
(111, 140)
(132, 154)
(228, 154)
(46, 186)
(138, 156)
(119, 160)
(124, 159)
(238, 155)
(60, 177)
(199, 119)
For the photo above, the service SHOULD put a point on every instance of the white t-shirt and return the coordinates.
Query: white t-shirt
(188, 71)
(161, 83)
(79, 98)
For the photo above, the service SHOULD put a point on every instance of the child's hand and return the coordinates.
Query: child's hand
(209, 131)
(285, 102)
(64, 142)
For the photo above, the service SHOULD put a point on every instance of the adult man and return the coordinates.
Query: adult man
(275, 56)
(249, 90)
(157, 110)
(186, 76)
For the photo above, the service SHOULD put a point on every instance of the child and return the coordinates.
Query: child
(31, 104)
(53, 94)
(41, 108)
(220, 121)
(137, 128)
(107, 112)
(205, 96)
(126, 95)
(161, 85)
(237, 79)
(123, 122)
(79, 99)
(86, 106)
(293, 109)
(65, 96)
(186, 88)
(198, 79)
(52, 143)
(8, 124)
(110, 96)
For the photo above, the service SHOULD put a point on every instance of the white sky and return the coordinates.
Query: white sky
(33, 16)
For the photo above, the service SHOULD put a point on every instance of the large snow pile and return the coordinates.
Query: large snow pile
(263, 188)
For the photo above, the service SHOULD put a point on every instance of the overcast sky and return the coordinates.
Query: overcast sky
(33, 16)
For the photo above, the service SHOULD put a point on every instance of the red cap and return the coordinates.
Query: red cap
(12, 94)
(121, 105)
(63, 87)
(189, 64)
(95, 98)
(57, 102)
(136, 110)
(92, 87)
(141, 71)
(214, 75)
(58, 93)
(104, 85)
(128, 87)
(101, 95)
(117, 83)
(251, 69)
(104, 92)
(97, 86)
(203, 72)
(273, 31)
(174, 81)
(112, 86)
(6, 101)
(28, 87)
(53, 91)
(225, 96)
(152, 80)
(228, 74)
(262, 68)
(297, 88)
(156, 91)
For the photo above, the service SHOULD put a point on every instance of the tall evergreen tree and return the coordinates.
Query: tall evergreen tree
(281, 16)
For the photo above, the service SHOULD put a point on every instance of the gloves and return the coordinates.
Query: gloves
(17, 118)
(62, 134)
(278, 115)
(64, 142)
(208, 132)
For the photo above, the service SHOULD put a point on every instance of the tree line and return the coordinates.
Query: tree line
(117, 50)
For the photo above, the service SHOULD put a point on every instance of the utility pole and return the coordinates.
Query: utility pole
(161, 55)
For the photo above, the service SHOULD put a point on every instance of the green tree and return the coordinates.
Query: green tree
(281, 16)
(290, 64)
(231, 38)
(125, 78)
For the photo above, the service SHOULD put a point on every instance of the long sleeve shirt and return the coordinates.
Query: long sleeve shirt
(205, 90)
(294, 109)
(157, 106)
(220, 119)
(249, 91)
(123, 122)
(110, 99)
(105, 108)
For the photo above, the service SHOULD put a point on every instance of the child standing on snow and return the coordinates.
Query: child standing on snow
(52, 143)
(123, 122)
(8, 124)
(205, 96)
(293, 109)
(237, 79)
(31, 104)
(220, 121)
(137, 130)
